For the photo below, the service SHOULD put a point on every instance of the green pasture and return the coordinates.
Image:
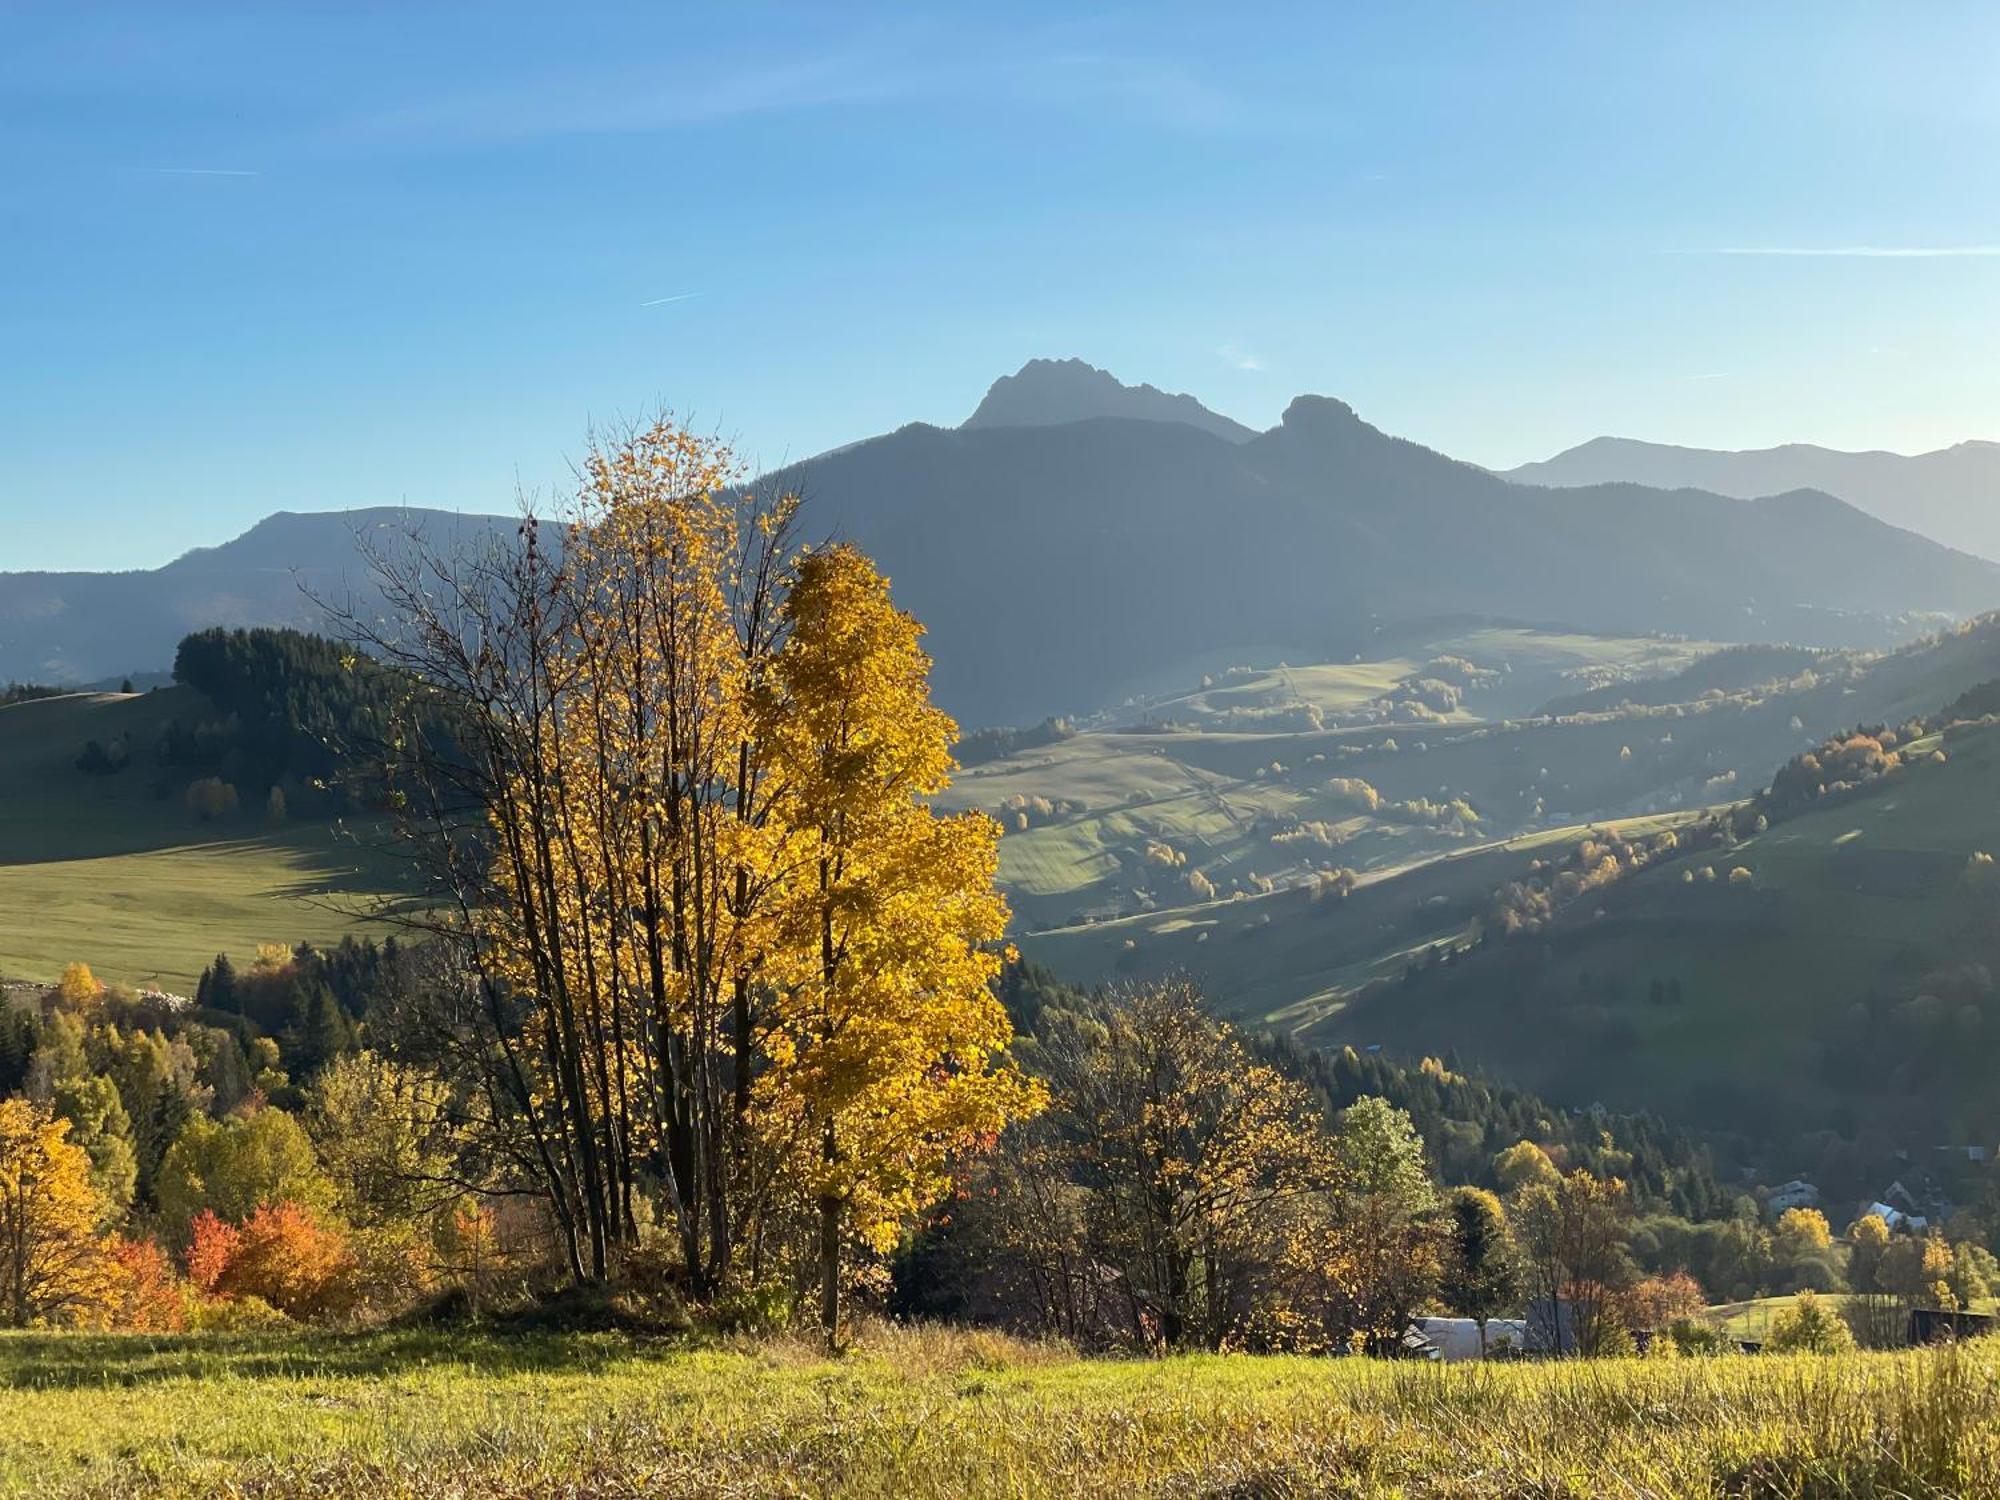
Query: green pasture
(103, 870)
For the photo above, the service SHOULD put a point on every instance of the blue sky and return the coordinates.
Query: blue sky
(283, 256)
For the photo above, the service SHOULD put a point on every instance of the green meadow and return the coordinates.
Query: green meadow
(1288, 961)
(919, 1412)
(105, 870)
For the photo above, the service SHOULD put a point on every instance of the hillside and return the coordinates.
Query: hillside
(1256, 777)
(1864, 903)
(1843, 983)
(1064, 559)
(108, 870)
(74, 628)
(1951, 495)
(1283, 778)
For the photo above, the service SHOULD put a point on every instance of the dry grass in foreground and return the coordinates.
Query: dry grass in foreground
(938, 1413)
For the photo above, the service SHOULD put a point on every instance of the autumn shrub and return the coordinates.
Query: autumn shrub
(1694, 1336)
(235, 1315)
(229, 1167)
(211, 798)
(394, 1266)
(211, 1243)
(149, 1297)
(1661, 1301)
(1809, 1326)
(653, 1274)
(281, 1255)
(755, 1309)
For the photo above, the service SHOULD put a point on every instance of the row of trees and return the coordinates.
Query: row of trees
(148, 1180)
(1184, 1191)
(289, 710)
(1188, 1188)
(724, 970)
(1185, 1188)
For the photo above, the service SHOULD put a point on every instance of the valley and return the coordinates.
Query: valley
(656, 839)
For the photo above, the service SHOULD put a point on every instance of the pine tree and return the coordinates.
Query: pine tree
(217, 987)
(321, 1032)
(1481, 1276)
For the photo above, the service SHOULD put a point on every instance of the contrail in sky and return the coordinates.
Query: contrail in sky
(1866, 252)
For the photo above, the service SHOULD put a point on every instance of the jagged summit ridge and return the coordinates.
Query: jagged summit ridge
(1052, 392)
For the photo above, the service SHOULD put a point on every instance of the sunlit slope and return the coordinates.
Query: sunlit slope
(108, 870)
(1292, 959)
(1225, 780)
(1213, 773)
(1842, 981)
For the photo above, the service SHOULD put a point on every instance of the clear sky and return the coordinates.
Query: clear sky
(268, 256)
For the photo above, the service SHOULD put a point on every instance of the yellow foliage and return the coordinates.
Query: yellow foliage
(749, 949)
(1803, 1229)
(78, 987)
(54, 1267)
(886, 1050)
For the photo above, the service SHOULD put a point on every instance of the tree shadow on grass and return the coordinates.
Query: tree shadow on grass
(70, 1361)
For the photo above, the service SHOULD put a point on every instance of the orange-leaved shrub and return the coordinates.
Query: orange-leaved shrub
(281, 1254)
(148, 1296)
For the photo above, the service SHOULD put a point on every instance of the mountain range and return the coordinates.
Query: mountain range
(1951, 495)
(76, 628)
(1078, 540)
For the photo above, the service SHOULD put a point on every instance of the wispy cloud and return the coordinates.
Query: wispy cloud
(923, 63)
(1862, 252)
(663, 301)
(196, 172)
(634, 101)
(1238, 358)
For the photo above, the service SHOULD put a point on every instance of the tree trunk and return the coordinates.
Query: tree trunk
(829, 1253)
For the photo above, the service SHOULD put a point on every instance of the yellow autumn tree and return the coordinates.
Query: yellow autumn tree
(601, 710)
(887, 1048)
(720, 951)
(78, 988)
(54, 1266)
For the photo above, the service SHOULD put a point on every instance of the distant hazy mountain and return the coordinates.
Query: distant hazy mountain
(1058, 564)
(72, 628)
(1951, 495)
(1048, 392)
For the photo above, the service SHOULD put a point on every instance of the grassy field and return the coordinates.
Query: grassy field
(932, 1413)
(1752, 1319)
(104, 870)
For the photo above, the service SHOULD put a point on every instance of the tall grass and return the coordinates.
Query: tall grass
(928, 1412)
